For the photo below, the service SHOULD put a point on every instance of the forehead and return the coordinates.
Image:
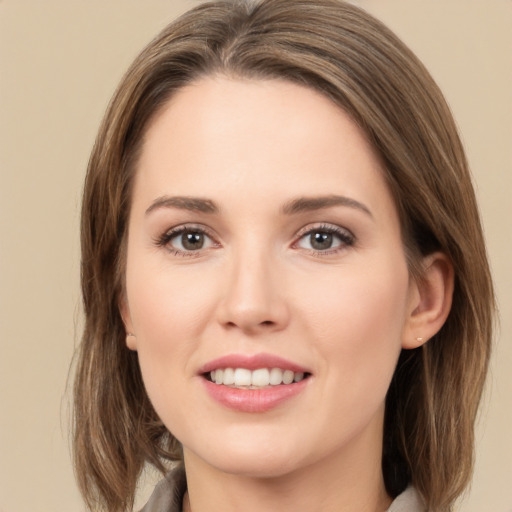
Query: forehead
(267, 137)
(229, 107)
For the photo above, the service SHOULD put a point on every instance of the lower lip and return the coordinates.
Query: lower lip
(253, 400)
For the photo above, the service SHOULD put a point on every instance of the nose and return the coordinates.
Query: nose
(254, 297)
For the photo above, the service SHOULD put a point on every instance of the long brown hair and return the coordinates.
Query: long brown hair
(347, 55)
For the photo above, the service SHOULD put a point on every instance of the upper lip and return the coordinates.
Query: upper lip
(252, 362)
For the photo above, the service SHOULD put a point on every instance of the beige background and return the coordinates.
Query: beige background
(60, 61)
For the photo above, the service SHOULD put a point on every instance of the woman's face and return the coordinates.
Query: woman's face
(264, 247)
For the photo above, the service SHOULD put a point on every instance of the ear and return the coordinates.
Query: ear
(124, 309)
(430, 301)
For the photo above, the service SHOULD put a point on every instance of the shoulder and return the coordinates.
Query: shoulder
(408, 501)
(168, 494)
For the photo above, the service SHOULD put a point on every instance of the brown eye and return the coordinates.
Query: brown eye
(320, 241)
(192, 241)
(325, 239)
(186, 240)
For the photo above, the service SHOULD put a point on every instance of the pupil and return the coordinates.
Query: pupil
(321, 241)
(192, 241)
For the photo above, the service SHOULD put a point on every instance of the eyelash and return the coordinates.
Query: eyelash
(345, 237)
(165, 239)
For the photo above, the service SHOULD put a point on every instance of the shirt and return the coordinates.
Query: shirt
(168, 496)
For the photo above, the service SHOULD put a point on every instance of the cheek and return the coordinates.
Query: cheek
(167, 306)
(168, 312)
(358, 327)
(165, 322)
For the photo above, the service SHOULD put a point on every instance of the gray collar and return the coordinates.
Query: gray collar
(408, 501)
(168, 496)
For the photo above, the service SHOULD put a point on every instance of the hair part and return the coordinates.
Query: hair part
(344, 53)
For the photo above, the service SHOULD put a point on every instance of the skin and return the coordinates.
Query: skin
(259, 285)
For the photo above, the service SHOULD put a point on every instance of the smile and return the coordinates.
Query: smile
(254, 383)
(260, 378)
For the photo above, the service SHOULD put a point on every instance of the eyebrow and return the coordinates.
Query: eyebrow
(298, 205)
(306, 204)
(195, 204)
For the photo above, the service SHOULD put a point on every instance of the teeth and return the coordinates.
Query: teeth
(276, 376)
(260, 378)
(242, 377)
(287, 377)
(229, 377)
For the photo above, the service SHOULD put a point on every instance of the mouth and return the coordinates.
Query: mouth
(254, 383)
(259, 378)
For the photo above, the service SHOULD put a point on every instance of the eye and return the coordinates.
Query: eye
(189, 241)
(186, 240)
(325, 239)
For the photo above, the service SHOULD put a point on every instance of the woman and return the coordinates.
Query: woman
(284, 277)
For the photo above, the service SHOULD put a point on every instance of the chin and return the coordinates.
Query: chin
(256, 466)
(255, 460)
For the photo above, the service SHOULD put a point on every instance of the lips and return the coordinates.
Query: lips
(254, 383)
(252, 362)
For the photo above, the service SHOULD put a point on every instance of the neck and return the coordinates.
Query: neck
(348, 481)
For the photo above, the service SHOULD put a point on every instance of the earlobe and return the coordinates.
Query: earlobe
(131, 340)
(431, 301)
